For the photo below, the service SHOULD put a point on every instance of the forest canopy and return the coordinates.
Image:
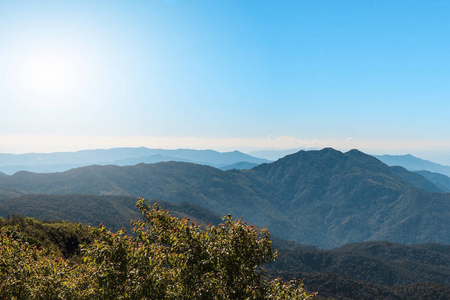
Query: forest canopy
(164, 258)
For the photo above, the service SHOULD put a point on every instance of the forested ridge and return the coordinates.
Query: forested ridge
(324, 198)
(339, 206)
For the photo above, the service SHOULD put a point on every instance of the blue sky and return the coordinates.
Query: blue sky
(246, 75)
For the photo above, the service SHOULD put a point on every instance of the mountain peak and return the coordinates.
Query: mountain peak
(355, 151)
(356, 154)
(329, 149)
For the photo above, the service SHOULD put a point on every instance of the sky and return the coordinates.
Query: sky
(226, 75)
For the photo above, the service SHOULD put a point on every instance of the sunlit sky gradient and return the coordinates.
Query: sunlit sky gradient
(225, 75)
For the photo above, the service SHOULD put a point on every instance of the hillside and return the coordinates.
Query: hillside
(114, 212)
(325, 198)
(6, 193)
(383, 263)
(418, 180)
(338, 287)
(439, 180)
(243, 165)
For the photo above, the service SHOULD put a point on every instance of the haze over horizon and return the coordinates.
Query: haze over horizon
(226, 75)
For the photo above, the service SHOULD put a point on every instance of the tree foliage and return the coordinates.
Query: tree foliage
(167, 258)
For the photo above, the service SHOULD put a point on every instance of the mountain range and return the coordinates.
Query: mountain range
(63, 161)
(324, 198)
(413, 163)
(341, 204)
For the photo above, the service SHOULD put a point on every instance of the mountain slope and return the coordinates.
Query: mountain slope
(332, 286)
(326, 198)
(6, 193)
(383, 263)
(114, 212)
(211, 188)
(439, 180)
(338, 193)
(243, 165)
(417, 180)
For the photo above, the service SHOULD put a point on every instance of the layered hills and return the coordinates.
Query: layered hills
(325, 198)
(413, 163)
(367, 270)
(439, 180)
(63, 161)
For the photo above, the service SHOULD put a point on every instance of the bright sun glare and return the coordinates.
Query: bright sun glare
(45, 75)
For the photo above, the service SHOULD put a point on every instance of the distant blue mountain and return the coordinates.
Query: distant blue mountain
(152, 159)
(63, 161)
(413, 163)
